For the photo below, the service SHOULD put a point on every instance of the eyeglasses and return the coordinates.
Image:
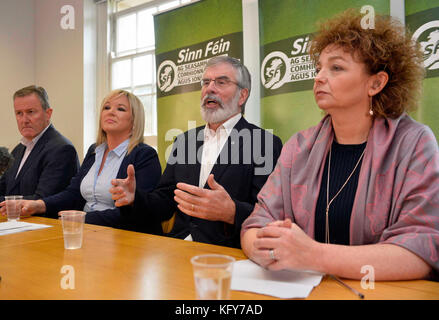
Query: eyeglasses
(220, 82)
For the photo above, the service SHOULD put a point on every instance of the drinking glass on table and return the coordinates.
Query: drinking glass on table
(13, 207)
(212, 275)
(73, 227)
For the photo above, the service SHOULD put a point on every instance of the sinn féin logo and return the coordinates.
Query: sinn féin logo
(167, 76)
(275, 70)
(428, 37)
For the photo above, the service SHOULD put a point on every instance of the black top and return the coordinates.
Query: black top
(343, 160)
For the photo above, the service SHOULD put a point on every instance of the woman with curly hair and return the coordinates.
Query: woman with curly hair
(362, 187)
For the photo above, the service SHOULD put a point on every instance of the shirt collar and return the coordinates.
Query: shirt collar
(122, 148)
(228, 125)
(28, 143)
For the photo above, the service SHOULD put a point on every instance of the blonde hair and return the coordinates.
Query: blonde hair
(137, 114)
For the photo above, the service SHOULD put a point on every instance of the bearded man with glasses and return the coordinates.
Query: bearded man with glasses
(214, 172)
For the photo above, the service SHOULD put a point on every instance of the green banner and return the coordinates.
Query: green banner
(422, 18)
(181, 70)
(287, 72)
(185, 39)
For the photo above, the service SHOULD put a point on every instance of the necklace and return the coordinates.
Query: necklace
(328, 203)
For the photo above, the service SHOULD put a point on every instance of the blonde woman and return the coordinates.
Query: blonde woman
(119, 143)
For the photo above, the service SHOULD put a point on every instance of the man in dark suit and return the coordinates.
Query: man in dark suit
(45, 161)
(214, 172)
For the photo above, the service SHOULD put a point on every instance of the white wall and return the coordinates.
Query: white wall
(59, 66)
(90, 71)
(36, 50)
(397, 9)
(250, 26)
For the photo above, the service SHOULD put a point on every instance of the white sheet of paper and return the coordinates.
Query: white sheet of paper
(19, 226)
(248, 276)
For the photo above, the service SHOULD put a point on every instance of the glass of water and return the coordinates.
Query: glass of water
(212, 275)
(13, 207)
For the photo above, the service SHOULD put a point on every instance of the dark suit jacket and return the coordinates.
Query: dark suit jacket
(48, 169)
(244, 164)
(148, 172)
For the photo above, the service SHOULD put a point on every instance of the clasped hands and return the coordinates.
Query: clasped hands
(213, 204)
(291, 247)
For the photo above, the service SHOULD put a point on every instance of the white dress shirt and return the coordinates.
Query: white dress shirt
(213, 144)
(29, 144)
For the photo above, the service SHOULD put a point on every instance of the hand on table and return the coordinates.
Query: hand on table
(3, 208)
(29, 207)
(292, 247)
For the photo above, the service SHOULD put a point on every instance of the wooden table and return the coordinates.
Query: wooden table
(118, 264)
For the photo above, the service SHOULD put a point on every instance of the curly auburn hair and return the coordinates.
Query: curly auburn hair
(388, 47)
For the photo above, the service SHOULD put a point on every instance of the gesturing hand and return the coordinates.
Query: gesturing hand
(123, 190)
(214, 204)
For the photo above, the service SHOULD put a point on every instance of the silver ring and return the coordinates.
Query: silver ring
(271, 251)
